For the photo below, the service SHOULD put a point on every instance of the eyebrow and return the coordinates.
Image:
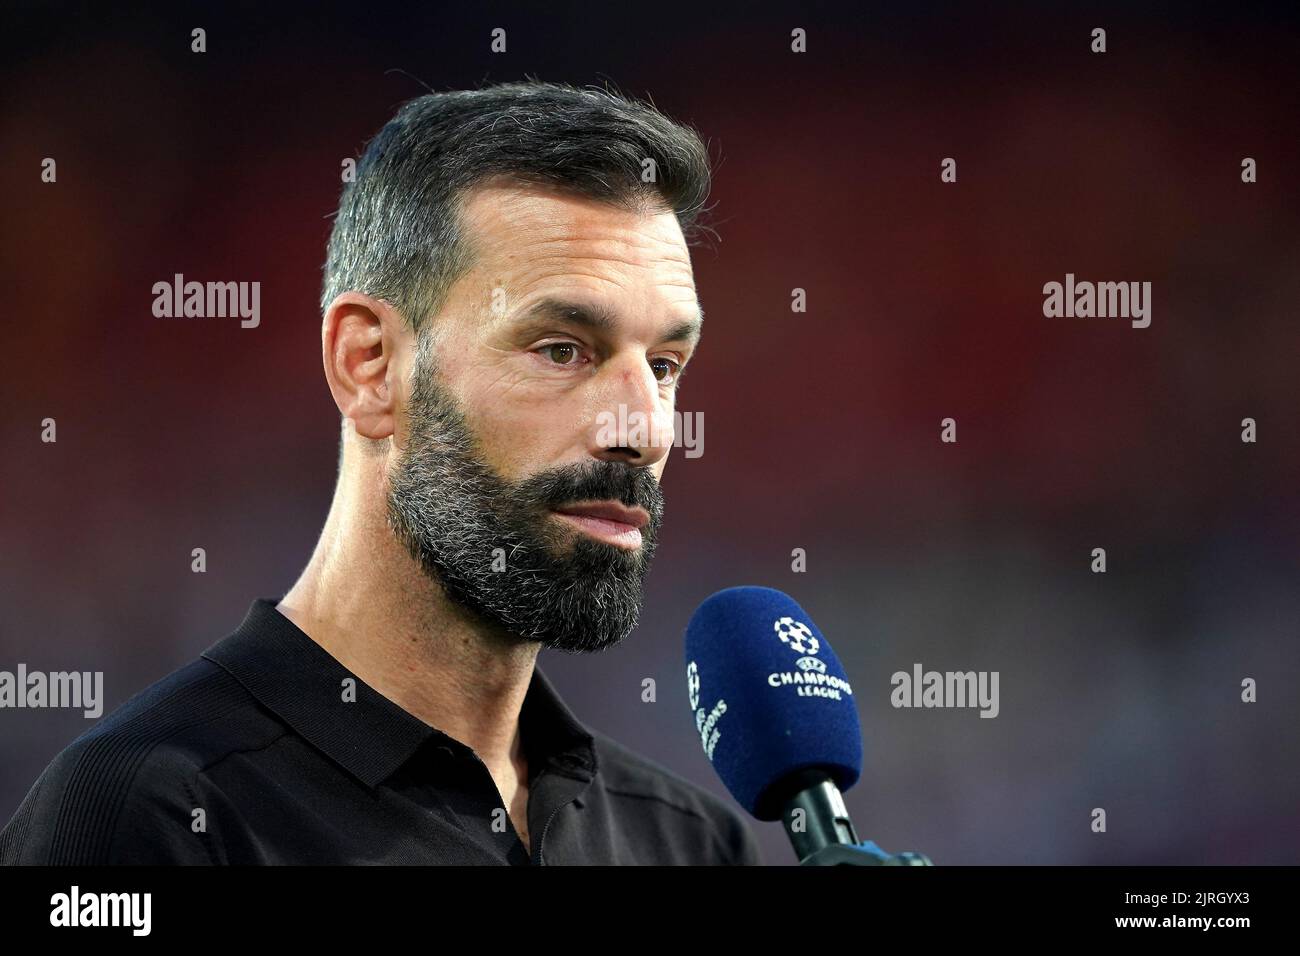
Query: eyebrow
(599, 319)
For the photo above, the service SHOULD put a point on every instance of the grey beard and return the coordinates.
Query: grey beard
(453, 512)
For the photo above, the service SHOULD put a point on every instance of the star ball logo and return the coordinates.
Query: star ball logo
(706, 721)
(811, 679)
(797, 635)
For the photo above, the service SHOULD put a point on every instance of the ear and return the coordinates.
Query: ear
(362, 343)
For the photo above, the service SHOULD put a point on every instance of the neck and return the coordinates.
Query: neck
(367, 602)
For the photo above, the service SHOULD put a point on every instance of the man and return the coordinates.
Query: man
(507, 276)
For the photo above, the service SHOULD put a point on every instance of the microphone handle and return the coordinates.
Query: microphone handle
(815, 816)
(818, 824)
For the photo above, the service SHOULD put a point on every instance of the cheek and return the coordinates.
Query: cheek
(521, 438)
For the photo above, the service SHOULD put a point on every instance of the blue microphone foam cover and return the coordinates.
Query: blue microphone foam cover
(768, 695)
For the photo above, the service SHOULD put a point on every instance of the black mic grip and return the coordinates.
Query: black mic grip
(817, 822)
(815, 815)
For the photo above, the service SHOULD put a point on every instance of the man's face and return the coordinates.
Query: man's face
(515, 487)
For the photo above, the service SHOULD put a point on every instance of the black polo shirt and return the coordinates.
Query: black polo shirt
(255, 753)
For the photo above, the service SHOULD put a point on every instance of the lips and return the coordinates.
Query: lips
(608, 511)
(609, 521)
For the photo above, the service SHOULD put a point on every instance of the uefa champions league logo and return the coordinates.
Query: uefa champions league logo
(809, 678)
(705, 722)
(797, 635)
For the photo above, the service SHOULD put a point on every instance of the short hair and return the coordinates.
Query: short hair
(397, 234)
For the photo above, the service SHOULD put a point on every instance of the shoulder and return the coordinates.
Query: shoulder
(631, 777)
(126, 791)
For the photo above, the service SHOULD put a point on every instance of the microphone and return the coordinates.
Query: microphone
(775, 714)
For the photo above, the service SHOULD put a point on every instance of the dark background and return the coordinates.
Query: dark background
(1118, 690)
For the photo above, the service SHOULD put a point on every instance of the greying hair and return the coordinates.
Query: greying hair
(397, 233)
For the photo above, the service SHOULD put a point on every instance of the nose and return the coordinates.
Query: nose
(634, 420)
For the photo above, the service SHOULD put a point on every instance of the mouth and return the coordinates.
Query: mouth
(607, 521)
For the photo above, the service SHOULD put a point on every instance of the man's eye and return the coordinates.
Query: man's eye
(561, 353)
(666, 370)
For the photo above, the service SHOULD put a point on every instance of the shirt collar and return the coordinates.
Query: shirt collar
(370, 737)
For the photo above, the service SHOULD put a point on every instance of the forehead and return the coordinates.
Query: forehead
(527, 237)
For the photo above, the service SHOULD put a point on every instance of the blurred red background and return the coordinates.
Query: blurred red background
(822, 429)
